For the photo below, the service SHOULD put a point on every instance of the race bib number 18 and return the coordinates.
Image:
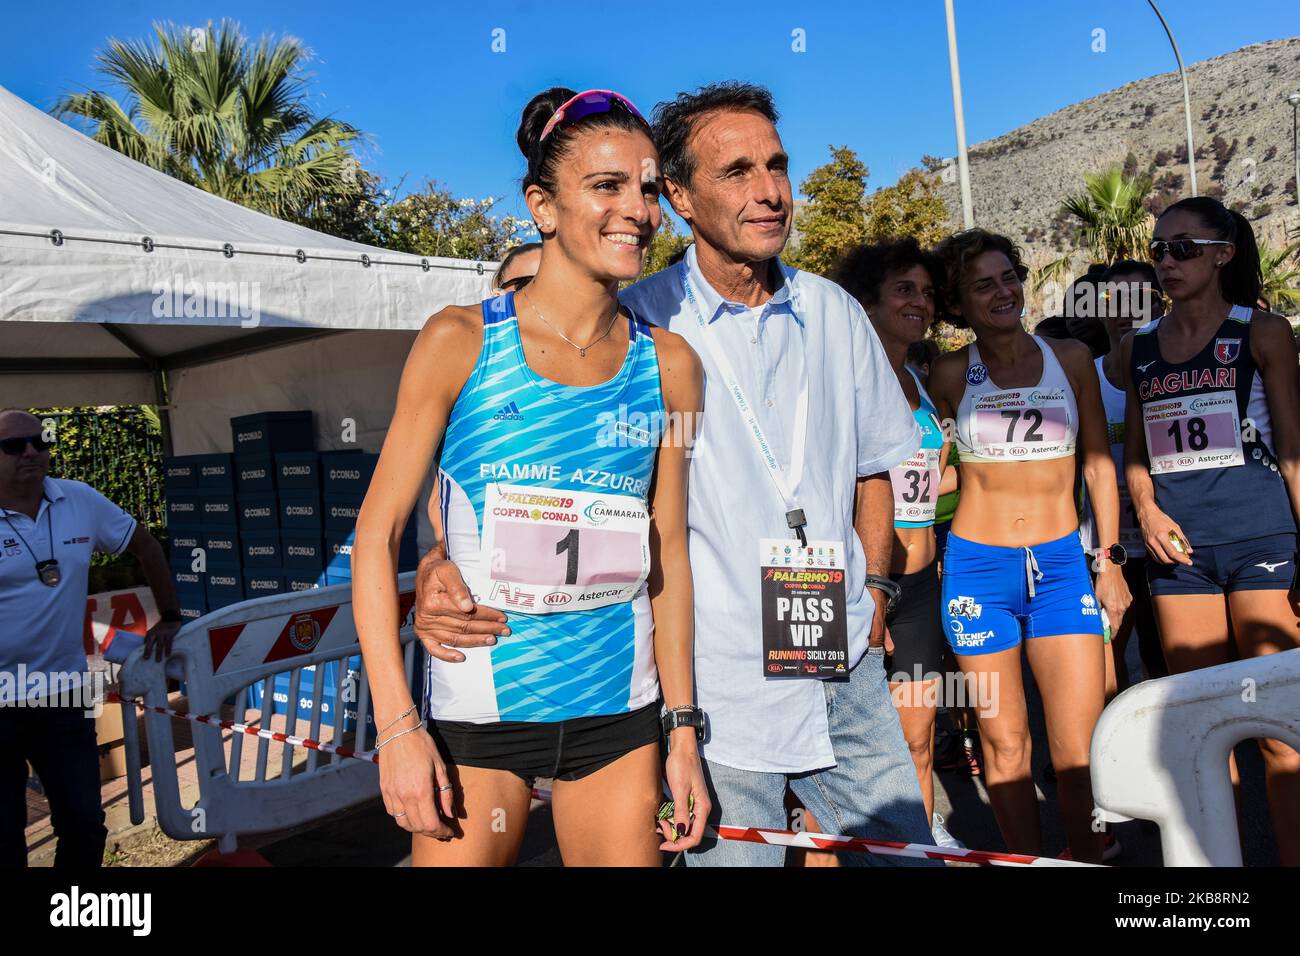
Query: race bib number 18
(546, 550)
(1192, 433)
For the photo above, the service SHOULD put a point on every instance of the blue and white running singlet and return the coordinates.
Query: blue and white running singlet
(544, 507)
(915, 482)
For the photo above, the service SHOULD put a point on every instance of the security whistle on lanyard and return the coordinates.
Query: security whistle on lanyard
(47, 571)
(785, 482)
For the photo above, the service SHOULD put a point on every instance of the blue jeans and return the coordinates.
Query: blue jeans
(870, 792)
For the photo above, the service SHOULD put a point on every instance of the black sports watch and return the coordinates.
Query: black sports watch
(891, 588)
(684, 717)
(1116, 554)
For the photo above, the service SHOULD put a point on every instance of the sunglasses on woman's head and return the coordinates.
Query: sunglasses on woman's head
(588, 103)
(516, 284)
(18, 444)
(1181, 249)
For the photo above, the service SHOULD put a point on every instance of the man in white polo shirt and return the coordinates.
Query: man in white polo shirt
(49, 527)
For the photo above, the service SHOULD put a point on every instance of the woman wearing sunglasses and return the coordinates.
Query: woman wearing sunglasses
(518, 267)
(562, 490)
(1014, 570)
(1212, 457)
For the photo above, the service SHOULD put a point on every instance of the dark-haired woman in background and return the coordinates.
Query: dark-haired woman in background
(1130, 298)
(895, 283)
(1014, 571)
(543, 513)
(518, 267)
(1213, 464)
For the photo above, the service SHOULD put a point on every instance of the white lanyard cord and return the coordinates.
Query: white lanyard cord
(785, 483)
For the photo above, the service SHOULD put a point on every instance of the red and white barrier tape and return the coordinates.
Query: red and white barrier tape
(304, 743)
(787, 838)
(826, 841)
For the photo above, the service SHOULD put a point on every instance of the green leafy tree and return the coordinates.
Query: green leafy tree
(840, 214)
(835, 218)
(1281, 271)
(1110, 213)
(433, 222)
(667, 242)
(912, 207)
(212, 109)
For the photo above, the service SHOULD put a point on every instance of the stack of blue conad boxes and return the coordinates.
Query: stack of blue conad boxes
(201, 514)
(278, 554)
(346, 477)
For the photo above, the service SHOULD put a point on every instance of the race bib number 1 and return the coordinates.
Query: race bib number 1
(805, 627)
(1192, 433)
(546, 550)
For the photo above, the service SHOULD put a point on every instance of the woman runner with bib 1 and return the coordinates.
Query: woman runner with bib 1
(895, 283)
(1212, 457)
(562, 497)
(1014, 570)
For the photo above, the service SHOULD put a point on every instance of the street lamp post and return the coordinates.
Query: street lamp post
(963, 163)
(1294, 100)
(1187, 99)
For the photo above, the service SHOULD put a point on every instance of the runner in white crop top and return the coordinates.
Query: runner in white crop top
(1031, 423)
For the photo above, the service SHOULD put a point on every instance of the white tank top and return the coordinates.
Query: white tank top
(1114, 401)
(1033, 423)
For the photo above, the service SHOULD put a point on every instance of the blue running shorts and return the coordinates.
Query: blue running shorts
(992, 596)
(1256, 564)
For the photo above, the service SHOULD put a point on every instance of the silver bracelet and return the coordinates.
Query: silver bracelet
(409, 730)
(400, 716)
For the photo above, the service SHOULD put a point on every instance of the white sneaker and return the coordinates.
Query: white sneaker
(942, 837)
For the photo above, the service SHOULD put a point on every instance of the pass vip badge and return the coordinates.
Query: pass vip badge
(546, 550)
(805, 619)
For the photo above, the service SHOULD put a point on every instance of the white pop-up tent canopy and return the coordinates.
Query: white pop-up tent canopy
(115, 277)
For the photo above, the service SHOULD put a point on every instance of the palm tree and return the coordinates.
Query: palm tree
(1281, 277)
(1115, 224)
(209, 108)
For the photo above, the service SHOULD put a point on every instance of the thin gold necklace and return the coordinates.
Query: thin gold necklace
(582, 349)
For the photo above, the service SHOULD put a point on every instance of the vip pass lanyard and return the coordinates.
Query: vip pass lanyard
(785, 482)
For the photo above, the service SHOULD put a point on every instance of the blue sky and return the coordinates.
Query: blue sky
(423, 81)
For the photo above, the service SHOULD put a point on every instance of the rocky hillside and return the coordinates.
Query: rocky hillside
(1241, 123)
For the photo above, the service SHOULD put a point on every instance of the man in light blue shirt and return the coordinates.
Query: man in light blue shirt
(803, 419)
(837, 743)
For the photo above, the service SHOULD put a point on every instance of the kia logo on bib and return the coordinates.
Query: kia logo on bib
(1185, 461)
(774, 668)
(1020, 450)
(557, 599)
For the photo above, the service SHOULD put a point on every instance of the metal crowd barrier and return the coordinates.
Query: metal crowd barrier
(1160, 750)
(226, 654)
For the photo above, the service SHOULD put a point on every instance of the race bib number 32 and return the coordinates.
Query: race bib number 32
(805, 631)
(547, 550)
(916, 486)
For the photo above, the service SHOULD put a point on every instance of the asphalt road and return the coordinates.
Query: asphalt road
(367, 837)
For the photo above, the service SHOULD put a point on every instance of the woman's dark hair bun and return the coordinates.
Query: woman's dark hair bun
(537, 114)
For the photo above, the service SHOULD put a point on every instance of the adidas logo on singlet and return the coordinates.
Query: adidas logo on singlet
(509, 413)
